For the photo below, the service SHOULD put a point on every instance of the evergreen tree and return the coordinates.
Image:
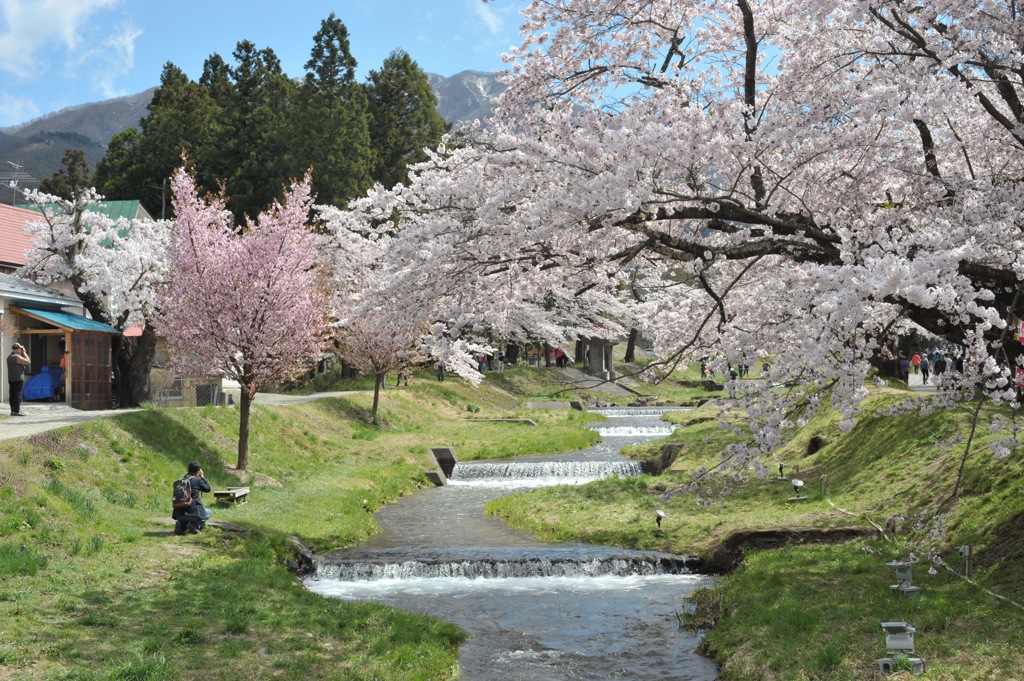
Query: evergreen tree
(71, 180)
(331, 131)
(403, 117)
(253, 159)
(182, 117)
(118, 173)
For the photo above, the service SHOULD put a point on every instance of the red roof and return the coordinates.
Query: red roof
(13, 239)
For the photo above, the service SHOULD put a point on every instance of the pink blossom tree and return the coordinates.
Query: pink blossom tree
(796, 179)
(376, 342)
(247, 304)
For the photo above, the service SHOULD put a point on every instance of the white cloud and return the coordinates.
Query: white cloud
(15, 109)
(487, 15)
(33, 32)
(108, 60)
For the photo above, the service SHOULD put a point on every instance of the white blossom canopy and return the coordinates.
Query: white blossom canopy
(791, 179)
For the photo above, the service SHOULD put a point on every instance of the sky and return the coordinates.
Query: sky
(60, 53)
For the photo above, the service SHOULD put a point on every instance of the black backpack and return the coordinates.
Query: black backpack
(182, 496)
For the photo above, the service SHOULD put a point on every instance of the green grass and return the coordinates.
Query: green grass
(835, 596)
(94, 585)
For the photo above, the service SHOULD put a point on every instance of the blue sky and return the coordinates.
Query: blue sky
(58, 53)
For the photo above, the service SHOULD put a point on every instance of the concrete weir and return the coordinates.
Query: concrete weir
(534, 611)
(446, 460)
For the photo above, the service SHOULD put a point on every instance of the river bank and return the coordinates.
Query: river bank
(94, 585)
(814, 611)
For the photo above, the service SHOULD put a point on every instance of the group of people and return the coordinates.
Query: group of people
(931, 363)
(484, 363)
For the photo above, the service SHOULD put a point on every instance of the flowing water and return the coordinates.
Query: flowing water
(534, 612)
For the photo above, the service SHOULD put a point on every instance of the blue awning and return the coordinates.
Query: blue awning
(67, 320)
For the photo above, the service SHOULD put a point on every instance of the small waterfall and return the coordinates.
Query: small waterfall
(624, 412)
(621, 566)
(661, 430)
(523, 470)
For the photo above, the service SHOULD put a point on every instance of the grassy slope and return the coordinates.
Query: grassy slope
(813, 612)
(94, 585)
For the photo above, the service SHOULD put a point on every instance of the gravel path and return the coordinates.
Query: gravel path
(40, 417)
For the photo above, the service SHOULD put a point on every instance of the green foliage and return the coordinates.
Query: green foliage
(72, 179)
(19, 560)
(77, 499)
(153, 667)
(252, 127)
(403, 117)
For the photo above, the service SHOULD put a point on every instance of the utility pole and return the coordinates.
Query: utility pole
(13, 177)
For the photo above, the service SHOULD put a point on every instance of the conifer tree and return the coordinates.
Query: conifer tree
(403, 117)
(332, 121)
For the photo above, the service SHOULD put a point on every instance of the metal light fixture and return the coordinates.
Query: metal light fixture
(659, 515)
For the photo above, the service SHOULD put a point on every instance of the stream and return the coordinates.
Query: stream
(533, 611)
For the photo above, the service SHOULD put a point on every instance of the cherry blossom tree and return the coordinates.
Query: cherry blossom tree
(794, 179)
(247, 304)
(376, 342)
(114, 266)
(379, 302)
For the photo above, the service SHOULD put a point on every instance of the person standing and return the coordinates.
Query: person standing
(915, 361)
(905, 368)
(17, 363)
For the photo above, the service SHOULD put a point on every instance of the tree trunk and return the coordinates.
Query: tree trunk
(547, 355)
(134, 363)
(512, 353)
(243, 427)
(631, 346)
(376, 396)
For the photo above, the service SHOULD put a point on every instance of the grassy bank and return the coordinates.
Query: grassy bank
(94, 585)
(813, 612)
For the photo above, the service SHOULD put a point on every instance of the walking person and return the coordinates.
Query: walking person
(915, 361)
(17, 363)
(925, 369)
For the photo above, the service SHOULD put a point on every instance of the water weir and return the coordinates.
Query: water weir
(535, 611)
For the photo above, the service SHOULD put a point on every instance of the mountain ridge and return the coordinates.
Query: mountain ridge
(33, 150)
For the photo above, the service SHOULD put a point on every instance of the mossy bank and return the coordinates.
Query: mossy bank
(94, 584)
(813, 611)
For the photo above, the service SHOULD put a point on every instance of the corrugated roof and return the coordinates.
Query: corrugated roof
(14, 242)
(67, 320)
(24, 291)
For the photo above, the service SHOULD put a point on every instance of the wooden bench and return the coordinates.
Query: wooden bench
(232, 495)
